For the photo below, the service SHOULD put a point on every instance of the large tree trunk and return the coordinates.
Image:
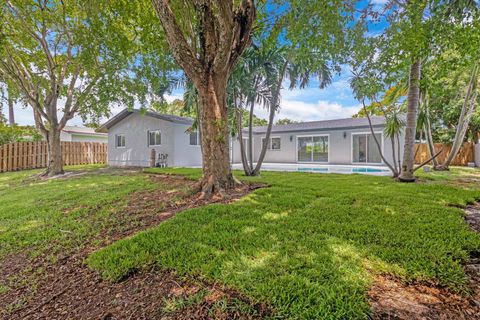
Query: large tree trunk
(55, 161)
(11, 113)
(208, 56)
(412, 101)
(217, 174)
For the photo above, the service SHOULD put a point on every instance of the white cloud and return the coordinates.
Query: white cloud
(304, 111)
(307, 104)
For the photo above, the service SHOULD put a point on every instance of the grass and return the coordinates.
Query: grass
(59, 214)
(310, 244)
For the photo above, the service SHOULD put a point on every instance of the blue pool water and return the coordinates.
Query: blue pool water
(343, 170)
(322, 168)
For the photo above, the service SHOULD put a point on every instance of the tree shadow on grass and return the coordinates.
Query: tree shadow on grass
(310, 244)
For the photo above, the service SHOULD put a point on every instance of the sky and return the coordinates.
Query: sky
(336, 101)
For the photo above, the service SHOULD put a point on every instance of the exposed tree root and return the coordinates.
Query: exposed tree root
(441, 168)
(212, 188)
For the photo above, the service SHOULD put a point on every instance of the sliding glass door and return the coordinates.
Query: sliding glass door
(364, 148)
(312, 149)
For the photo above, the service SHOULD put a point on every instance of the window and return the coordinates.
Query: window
(154, 138)
(195, 138)
(365, 148)
(312, 148)
(120, 141)
(274, 143)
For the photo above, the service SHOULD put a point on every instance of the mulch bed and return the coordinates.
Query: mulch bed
(68, 289)
(392, 299)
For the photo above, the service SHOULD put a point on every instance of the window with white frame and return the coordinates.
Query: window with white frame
(273, 143)
(120, 141)
(194, 138)
(154, 138)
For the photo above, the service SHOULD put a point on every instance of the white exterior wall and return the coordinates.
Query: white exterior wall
(88, 138)
(185, 154)
(340, 148)
(77, 137)
(175, 143)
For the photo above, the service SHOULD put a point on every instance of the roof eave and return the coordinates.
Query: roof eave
(319, 129)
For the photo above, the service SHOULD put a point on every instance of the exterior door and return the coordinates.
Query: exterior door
(364, 148)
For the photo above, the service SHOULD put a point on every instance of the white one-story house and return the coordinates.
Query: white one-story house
(337, 142)
(132, 134)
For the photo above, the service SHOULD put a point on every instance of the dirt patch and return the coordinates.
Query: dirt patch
(67, 289)
(392, 299)
(72, 291)
(472, 216)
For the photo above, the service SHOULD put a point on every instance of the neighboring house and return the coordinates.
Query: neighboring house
(82, 134)
(132, 134)
(343, 141)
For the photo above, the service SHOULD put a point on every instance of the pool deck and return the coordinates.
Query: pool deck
(322, 168)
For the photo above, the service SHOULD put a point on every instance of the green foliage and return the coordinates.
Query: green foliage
(417, 29)
(285, 121)
(92, 54)
(16, 133)
(309, 244)
(176, 107)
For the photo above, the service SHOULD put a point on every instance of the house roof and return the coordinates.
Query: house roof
(82, 131)
(338, 124)
(126, 112)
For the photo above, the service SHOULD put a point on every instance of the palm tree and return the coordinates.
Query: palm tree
(259, 80)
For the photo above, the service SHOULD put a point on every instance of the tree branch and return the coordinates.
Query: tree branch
(427, 161)
(181, 50)
(244, 18)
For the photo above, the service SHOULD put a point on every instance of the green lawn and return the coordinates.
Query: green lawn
(60, 214)
(309, 245)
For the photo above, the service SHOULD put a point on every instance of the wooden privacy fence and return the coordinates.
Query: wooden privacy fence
(31, 155)
(464, 156)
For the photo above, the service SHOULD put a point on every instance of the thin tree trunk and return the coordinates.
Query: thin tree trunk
(265, 142)
(217, 173)
(399, 164)
(418, 149)
(428, 134)
(11, 113)
(243, 157)
(468, 109)
(389, 165)
(250, 134)
(273, 108)
(55, 161)
(392, 141)
(406, 174)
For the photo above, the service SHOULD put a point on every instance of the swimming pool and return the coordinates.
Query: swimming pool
(336, 169)
(323, 168)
